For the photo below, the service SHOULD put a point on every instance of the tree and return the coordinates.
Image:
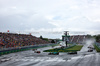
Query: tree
(97, 38)
(46, 39)
(89, 36)
(41, 37)
(52, 41)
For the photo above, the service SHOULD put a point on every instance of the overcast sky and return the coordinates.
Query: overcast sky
(49, 15)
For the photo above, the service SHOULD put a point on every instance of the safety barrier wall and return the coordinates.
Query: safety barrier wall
(12, 50)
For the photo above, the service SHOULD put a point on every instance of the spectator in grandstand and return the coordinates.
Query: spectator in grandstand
(8, 40)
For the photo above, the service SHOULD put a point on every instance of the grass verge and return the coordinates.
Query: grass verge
(77, 47)
(97, 49)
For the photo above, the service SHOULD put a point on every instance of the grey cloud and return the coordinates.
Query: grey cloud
(22, 22)
(31, 14)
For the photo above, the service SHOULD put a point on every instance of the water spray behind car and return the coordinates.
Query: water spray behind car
(88, 43)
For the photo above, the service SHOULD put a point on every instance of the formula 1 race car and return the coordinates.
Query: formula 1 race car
(53, 53)
(37, 52)
(72, 52)
(90, 50)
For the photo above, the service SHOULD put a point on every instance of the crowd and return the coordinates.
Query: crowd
(8, 40)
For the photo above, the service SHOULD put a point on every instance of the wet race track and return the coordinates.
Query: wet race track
(29, 58)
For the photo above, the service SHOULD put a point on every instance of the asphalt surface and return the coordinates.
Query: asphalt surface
(29, 58)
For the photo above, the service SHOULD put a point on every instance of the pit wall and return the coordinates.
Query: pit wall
(13, 50)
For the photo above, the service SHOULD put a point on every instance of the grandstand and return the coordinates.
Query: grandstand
(12, 40)
(77, 39)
